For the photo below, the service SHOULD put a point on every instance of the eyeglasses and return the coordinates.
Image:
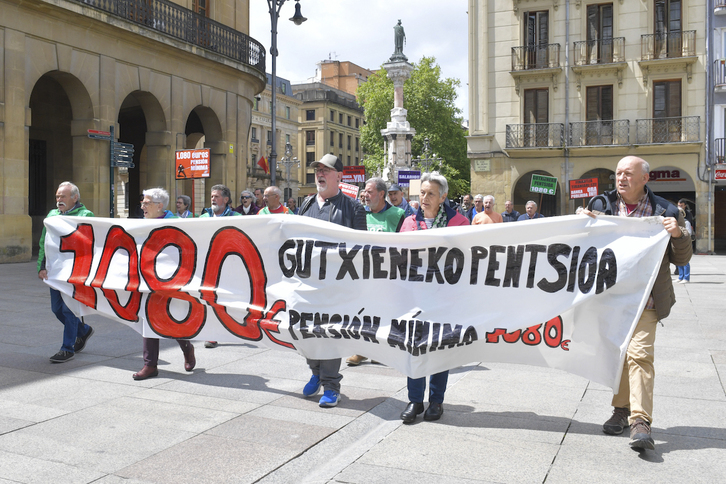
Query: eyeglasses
(324, 171)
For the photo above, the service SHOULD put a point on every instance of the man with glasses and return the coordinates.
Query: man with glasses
(334, 206)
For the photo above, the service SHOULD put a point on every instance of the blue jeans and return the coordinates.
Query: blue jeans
(437, 387)
(73, 326)
(684, 272)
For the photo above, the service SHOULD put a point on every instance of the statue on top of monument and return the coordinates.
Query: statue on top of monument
(400, 39)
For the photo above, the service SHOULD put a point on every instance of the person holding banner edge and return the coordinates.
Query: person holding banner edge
(434, 213)
(154, 206)
(633, 402)
(334, 206)
(67, 201)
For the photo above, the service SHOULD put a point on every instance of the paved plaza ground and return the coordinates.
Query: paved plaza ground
(239, 417)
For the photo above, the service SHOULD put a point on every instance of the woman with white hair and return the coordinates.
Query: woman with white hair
(433, 213)
(247, 206)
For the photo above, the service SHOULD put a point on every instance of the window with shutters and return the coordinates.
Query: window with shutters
(667, 125)
(599, 106)
(332, 138)
(536, 114)
(536, 38)
(310, 138)
(668, 36)
(600, 33)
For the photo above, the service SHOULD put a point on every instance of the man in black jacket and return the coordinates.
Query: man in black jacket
(633, 402)
(332, 205)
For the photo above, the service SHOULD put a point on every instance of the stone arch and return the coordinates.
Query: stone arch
(142, 122)
(547, 205)
(58, 145)
(204, 129)
(605, 181)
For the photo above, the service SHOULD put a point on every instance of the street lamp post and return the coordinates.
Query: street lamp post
(288, 161)
(274, 7)
(425, 162)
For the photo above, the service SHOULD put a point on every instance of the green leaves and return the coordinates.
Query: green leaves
(429, 101)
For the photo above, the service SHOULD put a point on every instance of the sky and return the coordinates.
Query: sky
(361, 31)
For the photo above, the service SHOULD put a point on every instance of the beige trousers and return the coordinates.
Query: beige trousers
(636, 384)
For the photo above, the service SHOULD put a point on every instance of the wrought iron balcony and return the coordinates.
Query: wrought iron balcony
(536, 135)
(719, 7)
(541, 56)
(184, 24)
(719, 74)
(670, 45)
(600, 133)
(684, 129)
(603, 51)
(719, 150)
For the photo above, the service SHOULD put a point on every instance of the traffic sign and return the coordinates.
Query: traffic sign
(99, 133)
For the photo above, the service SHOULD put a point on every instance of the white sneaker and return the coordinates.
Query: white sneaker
(683, 281)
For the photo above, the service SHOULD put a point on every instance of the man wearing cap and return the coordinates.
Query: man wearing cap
(334, 206)
(397, 200)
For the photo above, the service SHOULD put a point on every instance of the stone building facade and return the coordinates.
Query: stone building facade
(631, 83)
(166, 77)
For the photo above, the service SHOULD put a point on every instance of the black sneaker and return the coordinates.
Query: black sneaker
(81, 341)
(617, 422)
(62, 357)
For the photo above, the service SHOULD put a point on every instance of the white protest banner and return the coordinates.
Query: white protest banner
(563, 292)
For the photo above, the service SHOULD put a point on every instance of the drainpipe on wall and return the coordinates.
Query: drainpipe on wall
(566, 188)
(709, 116)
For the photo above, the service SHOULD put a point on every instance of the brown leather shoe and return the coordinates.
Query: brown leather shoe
(189, 360)
(356, 360)
(146, 372)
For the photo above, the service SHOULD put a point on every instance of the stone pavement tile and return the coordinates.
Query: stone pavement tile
(320, 463)
(197, 401)
(8, 424)
(208, 458)
(28, 412)
(37, 359)
(109, 479)
(433, 448)
(288, 414)
(388, 382)
(17, 468)
(518, 396)
(507, 372)
(11, 376)
(226, 353)
(233, 386)
(101, 438)
(695, 378)
(367, 473)
(353, 401)
(65, 393)
(272, 432)
(271, 364)
(719, 357)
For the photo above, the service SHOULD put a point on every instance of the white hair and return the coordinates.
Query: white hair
(74, 189)
(158, 195)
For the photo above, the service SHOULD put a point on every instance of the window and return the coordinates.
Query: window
(332, 138)
(357, 122)
(287, 138)
(356, 160)
(349, 120)
(349, 145)
(536, 38)
(599, 101)
(310, 138)
(310, 115)
(340, 118)
(201, 7)
(536, 112)
(287, 111)
(309, 158)
(348, 160)
(283, 88)
(270, 106)
(600, 33)
(357, 144)
(257, 104)
(666, 104)
(310, 178)
(269, 137)
(332, 115)
(668, 40)
(254, 134)
(340, 140)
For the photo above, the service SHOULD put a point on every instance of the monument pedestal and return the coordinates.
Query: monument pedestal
(398, 133)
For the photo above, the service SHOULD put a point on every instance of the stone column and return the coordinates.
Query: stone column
(398, 132)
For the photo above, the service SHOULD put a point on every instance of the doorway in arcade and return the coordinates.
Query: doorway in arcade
(674, 184)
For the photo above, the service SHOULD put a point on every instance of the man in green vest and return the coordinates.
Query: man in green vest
(381, 216)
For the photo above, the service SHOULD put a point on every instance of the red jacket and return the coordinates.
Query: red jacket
(455, 219)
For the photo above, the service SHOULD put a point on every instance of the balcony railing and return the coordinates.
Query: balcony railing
(719, 7)
(719, 73)
(664, 46)
(541, 56)
(719, 150)
(539, 135)
(603, 51)
(181, 23)
(600, 133)
(668, 130)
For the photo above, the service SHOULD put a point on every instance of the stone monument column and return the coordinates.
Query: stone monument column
(398, 132)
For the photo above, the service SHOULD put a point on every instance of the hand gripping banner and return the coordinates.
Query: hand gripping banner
(563, 292)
